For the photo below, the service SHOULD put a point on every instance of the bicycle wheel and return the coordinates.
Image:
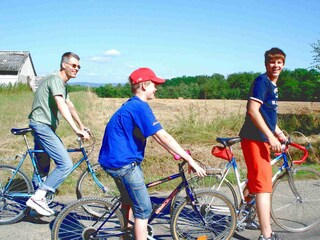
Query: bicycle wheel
(12, 209)
(87, 187)
(73, 222)
(211, 181)
(295, 203)
(217, 220)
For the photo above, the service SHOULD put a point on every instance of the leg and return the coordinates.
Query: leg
(257, 157)
(53, 146)
(130, 182)
(43, 164)
(140, 228)
(263, 210)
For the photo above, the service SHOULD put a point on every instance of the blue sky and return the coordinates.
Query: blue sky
(173, 37)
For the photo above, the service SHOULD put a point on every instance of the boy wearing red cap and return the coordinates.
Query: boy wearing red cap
(260, 134)
(124, 143)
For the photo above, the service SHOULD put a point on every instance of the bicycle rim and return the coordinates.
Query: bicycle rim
(217, 212)
(295, 204)
(74, 222)
(211, 181)
(12, 209)
(87, 187)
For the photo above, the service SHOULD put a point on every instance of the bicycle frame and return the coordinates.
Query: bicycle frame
(284, 167)
(31, 153)
(156, 212)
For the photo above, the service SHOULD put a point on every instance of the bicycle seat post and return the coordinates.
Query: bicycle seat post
(26, 141)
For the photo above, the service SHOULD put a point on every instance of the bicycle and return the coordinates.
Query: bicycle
(204, 213)
(291, 198)
(16, 187)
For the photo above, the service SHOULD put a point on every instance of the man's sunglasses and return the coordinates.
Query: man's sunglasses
(74, 66)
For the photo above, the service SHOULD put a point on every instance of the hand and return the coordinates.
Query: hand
(197, 169)
(275, 144)
(282, 137)
(84, 134)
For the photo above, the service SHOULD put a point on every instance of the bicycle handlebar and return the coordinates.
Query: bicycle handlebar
(304, 149)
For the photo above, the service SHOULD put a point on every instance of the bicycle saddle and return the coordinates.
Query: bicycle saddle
(228, 141)
(20, 131)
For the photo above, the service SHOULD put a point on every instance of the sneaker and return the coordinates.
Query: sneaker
(40, 206)
(252, 225)
(274, 236)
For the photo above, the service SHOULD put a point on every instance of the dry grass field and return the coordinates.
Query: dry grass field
(195, 123)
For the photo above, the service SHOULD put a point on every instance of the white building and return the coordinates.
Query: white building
(17, 67)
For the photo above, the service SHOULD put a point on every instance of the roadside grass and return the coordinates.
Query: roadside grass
(194, 123)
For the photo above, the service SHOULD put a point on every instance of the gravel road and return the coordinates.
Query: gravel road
(34, 228)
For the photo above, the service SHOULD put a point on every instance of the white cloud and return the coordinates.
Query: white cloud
(112, 52)
(100, 59)
(106, 56)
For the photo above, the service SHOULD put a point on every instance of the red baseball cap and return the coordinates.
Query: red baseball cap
(143, 75)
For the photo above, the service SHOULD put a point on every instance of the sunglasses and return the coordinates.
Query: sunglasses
(74, 65)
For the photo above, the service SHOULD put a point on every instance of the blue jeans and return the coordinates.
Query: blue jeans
(45, 138)
(130, 181)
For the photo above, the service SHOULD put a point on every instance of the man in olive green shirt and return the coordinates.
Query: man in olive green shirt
(51, 101)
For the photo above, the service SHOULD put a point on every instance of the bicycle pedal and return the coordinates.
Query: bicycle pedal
(240, 228)
(150, 230)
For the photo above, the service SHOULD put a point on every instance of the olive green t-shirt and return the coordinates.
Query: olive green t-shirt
(44, 107)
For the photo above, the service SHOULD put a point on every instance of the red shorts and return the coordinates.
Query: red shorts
(257, 157)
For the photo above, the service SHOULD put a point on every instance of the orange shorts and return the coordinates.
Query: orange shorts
(257, 157)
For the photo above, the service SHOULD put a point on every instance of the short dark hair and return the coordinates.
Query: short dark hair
(66, 56)
(274, 53)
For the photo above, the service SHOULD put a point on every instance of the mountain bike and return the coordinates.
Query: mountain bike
(16, 186)
(204, 213)
(295, 200)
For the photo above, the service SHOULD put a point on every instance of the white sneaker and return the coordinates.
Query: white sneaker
(40, 206)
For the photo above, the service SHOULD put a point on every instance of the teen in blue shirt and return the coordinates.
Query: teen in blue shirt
(124, 144)
(260, 134)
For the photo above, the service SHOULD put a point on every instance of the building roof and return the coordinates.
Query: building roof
(11, 62)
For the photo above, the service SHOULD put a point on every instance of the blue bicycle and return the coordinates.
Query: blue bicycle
(16, 186)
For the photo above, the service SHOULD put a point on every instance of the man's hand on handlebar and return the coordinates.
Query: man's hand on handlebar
(84, 134)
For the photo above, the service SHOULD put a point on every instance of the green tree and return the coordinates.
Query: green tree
(241, 82)
(316, 56)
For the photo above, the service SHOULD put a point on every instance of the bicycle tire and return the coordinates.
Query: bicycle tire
(210, 181)
(87, 187)
(13, 209)
(218, 213)
(292, 213)
(74, 222)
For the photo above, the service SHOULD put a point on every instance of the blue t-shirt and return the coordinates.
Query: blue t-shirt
(262, 90)
(126, 134)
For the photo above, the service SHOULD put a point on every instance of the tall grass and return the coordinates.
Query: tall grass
(194, 123)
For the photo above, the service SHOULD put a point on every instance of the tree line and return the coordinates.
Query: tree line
(294, 85)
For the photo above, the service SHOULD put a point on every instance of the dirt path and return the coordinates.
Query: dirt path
(34, 228)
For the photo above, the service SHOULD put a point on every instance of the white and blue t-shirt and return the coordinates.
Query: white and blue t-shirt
(126, 134)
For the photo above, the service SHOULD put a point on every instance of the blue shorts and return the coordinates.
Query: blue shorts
(130, 181)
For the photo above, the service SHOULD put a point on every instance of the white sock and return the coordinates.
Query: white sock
(39, 194)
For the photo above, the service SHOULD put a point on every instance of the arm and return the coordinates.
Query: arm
(169, 143)
(68, 116)
(74, 114)
(280, 135)
(256, 117)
